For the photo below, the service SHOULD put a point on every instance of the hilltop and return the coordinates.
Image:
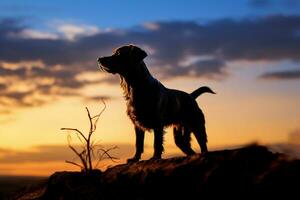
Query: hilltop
(244, 173)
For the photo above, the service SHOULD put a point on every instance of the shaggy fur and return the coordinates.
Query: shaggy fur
(150, 105)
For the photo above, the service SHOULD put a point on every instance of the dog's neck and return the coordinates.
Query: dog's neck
(136, 80)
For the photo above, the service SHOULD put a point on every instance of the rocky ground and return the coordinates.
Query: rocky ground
(245, 173)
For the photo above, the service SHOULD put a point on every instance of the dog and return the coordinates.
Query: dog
(152, 106)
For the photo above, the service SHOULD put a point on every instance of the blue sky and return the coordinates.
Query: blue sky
(120, 14)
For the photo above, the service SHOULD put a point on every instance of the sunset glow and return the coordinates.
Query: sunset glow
(49, 74)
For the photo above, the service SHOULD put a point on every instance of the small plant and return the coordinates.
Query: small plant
(89, 150)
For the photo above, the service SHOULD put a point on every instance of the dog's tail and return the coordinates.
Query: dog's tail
(200, 91)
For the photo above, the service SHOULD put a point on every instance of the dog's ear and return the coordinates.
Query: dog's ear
(137, 53)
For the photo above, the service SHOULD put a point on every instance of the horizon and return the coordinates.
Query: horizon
(248, 52)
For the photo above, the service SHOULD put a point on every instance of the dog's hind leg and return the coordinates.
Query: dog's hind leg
(139, 145)
(182, 137)
(200, 134)
(187, 141)
(158, 143)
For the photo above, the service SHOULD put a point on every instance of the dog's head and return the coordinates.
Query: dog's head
(123, 59)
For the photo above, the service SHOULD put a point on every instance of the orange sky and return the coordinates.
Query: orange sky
(244, 110)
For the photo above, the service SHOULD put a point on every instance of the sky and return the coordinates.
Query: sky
(247, 51)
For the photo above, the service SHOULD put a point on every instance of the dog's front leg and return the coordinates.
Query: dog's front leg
(139, 145)
(158, 143)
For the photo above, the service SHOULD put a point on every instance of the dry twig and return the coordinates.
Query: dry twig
(87, 155)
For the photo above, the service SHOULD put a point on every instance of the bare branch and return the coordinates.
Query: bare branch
(98, 116)
(93, 152)
(79, 138)
(87, 155)
(106, 152)
(91, 122)
(75, 129)
(73, 163)
(79, 155)
(89, 159)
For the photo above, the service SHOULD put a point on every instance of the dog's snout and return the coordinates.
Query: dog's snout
(99, 59)
(103, 60)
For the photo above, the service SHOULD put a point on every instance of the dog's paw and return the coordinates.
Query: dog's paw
(132, 160)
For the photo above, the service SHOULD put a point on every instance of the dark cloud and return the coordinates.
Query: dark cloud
(2, 86)
(268, 3)
(63, 82)
(282, 75)
(207, 67)
(54, 153)
(10, 25)
(271, 38)
(20, 99)
(17, 98)
(12, 72)
(172, 47)
(203, 68)
(98, 98)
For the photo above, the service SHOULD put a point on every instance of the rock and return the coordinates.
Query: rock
(245, 173)
(74, 185)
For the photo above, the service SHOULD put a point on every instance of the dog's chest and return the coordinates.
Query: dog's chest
(143, 109)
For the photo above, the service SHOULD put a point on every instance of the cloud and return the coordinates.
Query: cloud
(2, 86)
(73, 31)
(52, 153)
(272, 38)
(98, 98)
(282, 75)
(211, 68)
(23, 87)
(61, 31)
(268, 3)
(175, 48)
(36, 86)
(34, 34)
